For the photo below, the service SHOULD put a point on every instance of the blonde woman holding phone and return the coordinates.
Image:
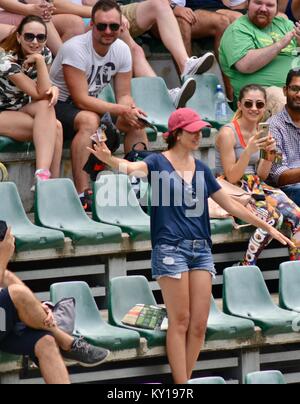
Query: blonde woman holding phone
(245, 152)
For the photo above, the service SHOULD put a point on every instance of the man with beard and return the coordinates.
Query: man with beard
(258, 48)
(285, 128)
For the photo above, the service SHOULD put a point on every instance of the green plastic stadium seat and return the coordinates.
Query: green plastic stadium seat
(207, 380)
(151, 95)
(268, 377)
(28, 236)
(203, 100)
(221, 226)
(108, 95)
(68, 214)
(223, 327)
(124, 294)
(124, 210)
(89, 322)
(289, 286)
(245, 294)
(8, 145)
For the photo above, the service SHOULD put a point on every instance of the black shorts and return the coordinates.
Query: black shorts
(15, 337)
(66, 113)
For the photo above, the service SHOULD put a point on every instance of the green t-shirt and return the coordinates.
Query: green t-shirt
(243, 36)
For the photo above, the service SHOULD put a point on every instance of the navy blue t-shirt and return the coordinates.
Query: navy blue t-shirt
(179, 210)
(205, 4)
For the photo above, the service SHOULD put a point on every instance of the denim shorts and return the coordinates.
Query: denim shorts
(172, 260)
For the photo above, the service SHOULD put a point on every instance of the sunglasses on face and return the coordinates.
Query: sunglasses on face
(41, 38)
(259, 104)
(103, 27)
(294, 89)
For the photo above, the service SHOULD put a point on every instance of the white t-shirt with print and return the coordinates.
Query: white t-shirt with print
(79, 52)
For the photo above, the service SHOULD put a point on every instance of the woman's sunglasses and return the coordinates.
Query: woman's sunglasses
(103, 27)
(41, 38)
(249, 104)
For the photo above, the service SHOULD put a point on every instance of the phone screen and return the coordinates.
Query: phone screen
(3, 230)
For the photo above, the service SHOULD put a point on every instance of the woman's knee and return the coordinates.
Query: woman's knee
(181, 322)
(198, 328)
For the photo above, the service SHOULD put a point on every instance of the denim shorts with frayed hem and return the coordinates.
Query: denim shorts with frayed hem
(171, 260)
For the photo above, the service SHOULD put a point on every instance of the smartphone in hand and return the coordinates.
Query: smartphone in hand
(3, 230)
(263, 129)
(99, 136)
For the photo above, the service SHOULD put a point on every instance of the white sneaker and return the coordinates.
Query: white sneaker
(200, 65)
(180, 96)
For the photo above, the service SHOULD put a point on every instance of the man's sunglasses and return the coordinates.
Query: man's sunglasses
(103, 27)
(259, 104)
(294, 89)
(41, 38)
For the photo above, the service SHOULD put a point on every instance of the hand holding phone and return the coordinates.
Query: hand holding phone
(3, 230)
(263, 130)
(99, 136)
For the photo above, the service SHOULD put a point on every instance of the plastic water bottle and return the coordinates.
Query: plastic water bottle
(221, 111)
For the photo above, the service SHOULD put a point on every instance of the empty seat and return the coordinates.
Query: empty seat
(289, 286)
(203, 100)
(28, 236)
(124, 294)
(151, 95)
(268, 377)
(221, 326)
(67, 214)
(207, 380)
(89, 322)
(245, 294)
(122, 209)
(221, 226)
(108, 95)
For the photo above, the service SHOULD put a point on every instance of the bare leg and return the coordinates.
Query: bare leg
(159, 12)
(5, 31)
(32, 314)
(56, 162)
(68, 25)
(132, 137)
(176, 297)
(44, 132)
(86, 124)
(200, 297)
(141, 67)
(232, 15)
(51, 363)
(35, 122)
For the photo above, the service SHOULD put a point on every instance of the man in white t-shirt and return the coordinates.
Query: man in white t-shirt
(84, 66)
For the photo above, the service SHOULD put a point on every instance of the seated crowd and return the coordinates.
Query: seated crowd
(54, 66)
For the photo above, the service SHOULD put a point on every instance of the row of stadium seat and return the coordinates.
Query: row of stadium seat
(247, 303)
(157, 104)
(59, 214)
(268, 377)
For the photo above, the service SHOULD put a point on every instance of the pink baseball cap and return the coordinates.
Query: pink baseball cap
(186, 119)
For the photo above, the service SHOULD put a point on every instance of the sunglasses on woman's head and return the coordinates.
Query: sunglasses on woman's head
(41, 38)
(103, 27)
(249, 104)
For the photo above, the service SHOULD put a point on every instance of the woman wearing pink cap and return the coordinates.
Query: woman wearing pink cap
(182, 260)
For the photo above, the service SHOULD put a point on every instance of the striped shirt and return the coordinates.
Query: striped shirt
(287, 136)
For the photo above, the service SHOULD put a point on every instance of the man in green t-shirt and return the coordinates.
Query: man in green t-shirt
(258, 48)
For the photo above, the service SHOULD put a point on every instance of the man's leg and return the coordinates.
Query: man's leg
(5, 31)
(141, 67)
(51, 364)
(232, 15)
(208, 25)
(68, 25)
(159, 12)
(276, 101)
(86, 124)
(32, 314)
